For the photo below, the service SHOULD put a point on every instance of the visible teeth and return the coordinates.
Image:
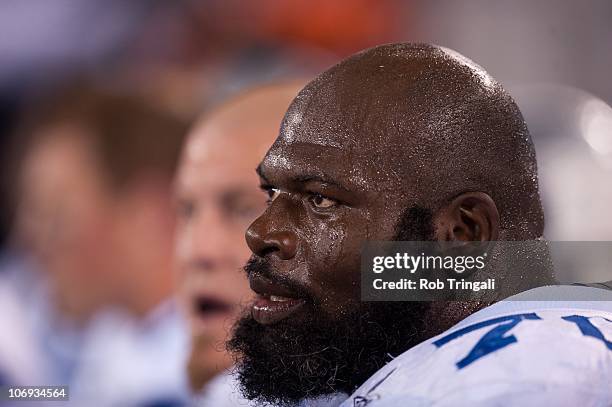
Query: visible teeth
(278, 298)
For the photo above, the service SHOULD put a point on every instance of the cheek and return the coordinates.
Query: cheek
(230, 284)
(334, 258)
(182, 245)
(84, 242)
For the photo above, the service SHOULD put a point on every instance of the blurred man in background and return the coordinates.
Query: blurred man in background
(94, 213)
(217, 197)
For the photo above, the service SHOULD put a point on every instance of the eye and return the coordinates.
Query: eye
(319, 201)
(185, 209)
(273, 193)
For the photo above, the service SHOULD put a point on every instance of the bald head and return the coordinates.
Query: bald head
(400, 142)
(422, 124)
(249, 120)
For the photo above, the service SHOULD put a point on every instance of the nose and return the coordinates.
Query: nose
(264, 238)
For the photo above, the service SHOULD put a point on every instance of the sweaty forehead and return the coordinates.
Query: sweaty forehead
(383, 116)
(361, 115)
(343, 114)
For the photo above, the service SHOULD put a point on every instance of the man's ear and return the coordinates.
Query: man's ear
(471, 216)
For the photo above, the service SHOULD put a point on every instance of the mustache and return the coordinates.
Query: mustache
(261, 266)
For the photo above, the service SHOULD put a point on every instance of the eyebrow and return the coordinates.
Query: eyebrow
(317, 178)
(304, 178)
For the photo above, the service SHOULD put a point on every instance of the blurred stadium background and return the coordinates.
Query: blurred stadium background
(189, 52)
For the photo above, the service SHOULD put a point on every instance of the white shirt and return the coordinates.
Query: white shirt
(116, 360)
(532, 349)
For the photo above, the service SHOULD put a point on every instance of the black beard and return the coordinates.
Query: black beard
(315, 356)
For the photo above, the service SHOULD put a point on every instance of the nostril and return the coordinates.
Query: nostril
(283, 244)
(267, 250)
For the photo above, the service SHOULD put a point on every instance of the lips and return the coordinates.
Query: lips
(274, 302)
(207, 306)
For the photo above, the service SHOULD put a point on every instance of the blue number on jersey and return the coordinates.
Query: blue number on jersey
(588, 329)
(493, 340)
(496, 338)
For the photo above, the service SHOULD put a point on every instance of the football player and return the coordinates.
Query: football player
(408, 142)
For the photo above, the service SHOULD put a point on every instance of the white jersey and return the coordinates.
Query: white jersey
(526, 351)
